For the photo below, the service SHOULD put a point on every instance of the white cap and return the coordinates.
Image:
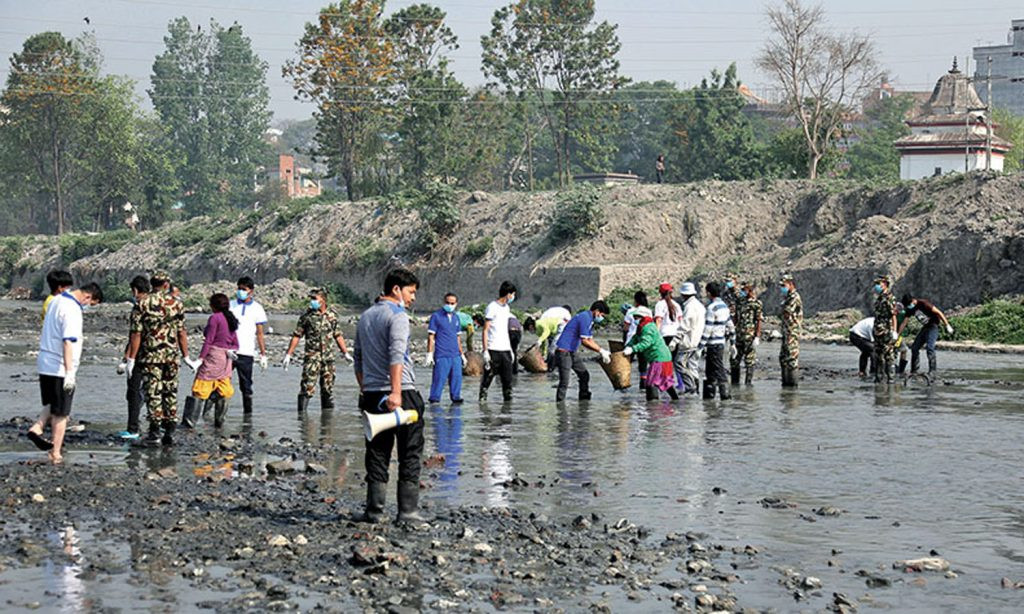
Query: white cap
(687, 289)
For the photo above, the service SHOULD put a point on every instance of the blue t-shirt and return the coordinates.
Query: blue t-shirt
(580, 327)
(446, 328)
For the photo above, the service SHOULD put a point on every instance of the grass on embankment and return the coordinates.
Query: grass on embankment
(993, 322)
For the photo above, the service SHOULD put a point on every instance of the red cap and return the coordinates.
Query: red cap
(665, 287)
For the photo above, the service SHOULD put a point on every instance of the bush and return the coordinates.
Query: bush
(438, 207)
(76, 246)
(479, 248)
(993, 322)
(368, 252)
(578, 215)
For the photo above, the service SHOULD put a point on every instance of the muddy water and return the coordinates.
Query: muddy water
(913, 468)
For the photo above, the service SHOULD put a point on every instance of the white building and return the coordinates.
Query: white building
(1007, 70)
(950, 136)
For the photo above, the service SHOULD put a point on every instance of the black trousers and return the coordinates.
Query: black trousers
(571, 362)
(514, 337)
(136, 399)
(867, 352)
(501, 366)
(714, 364)
(243, 366)
(409, 438)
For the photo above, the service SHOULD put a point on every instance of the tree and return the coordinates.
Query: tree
(345, 66)
(209, 89)
(873, 156)
(550, 53)
(647, 119)
(1011, 128)
(821, 74)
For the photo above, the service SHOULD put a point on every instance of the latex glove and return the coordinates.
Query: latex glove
(286, 361)
(673, 345)
(129, 366)
(193, 364)
(757, 341)
(629, 351)
(350, 358)
(69, 382)
(949, 329)
(463, 357)
(232, 355)
(263, 362)
(606, 356)
(894, 335)
(121, 366)
(430, 359)
(733, 352)
(487, 359)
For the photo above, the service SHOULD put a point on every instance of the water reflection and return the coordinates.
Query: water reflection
(447, 427)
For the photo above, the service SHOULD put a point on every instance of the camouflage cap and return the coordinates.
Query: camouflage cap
(316, 292)
(161, 275)
(785, 277)
(886, 278)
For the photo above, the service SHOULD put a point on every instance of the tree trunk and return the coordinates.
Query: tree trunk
(58, 197)
(812, 167)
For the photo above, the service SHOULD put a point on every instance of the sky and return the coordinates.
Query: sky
(678, 41)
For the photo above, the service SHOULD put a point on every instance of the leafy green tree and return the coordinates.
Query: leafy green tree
(209, 89)
(873, 157)
(647, 126)
(1011, 127)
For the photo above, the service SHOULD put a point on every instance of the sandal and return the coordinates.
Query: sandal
(41, 443)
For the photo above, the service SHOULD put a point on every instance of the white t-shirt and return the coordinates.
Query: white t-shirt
(631, 320)
(249, 315)
(63, 322)
(556, 312)
(865, 328)
(669, 327)
(497, 334)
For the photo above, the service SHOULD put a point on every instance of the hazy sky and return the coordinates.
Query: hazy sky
(677, 40)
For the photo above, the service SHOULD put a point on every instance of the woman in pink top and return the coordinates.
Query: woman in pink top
(213, 377)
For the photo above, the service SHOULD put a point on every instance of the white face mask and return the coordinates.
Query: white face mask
(511, 298)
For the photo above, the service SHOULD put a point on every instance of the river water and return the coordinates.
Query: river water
(913, 468)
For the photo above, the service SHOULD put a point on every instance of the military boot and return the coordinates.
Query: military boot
(376, 495)
(326, 401)
(303, 403)
(723, 391)
(190, 414)
(168, 438)
(709, 389)
(246, 404)
(749, 379)
(153, 435)
(408, 503)
(220, 411)
(735, 375)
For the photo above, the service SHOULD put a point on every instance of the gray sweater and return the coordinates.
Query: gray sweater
(382, 340)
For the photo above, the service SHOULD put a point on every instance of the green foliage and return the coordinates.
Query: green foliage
(873, 157)
(438, 206)
(789, 157)
(579, 215)
(76, 246)
(210, 235)
(340, 294)
(1011, 128)
(368, 252)
(479, 247)
(645, 133)
(11, 251)
(993, 322)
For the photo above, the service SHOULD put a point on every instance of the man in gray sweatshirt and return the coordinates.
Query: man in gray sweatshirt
(387, 382)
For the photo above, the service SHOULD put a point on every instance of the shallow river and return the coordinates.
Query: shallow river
(914, 469)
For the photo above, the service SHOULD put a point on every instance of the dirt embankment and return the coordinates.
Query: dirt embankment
(957, 239)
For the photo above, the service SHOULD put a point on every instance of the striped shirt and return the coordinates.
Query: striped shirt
(718, 326)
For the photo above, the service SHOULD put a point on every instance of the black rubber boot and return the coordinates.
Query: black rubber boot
(376, 495)
(207, 409)
(190, 414)
(409, 502)
(672, 394)
(794, 377)
(723, 391)
(788, 377)
(168, 438)
(932, 366)
(153, 435)
(902, 368)
(709, 389)
(584, 396)
(735, 375)
(326, 401)
(506, 395)
(303, 403)
(246, 404)
(749, 379)
(651, 393)
(220, 411)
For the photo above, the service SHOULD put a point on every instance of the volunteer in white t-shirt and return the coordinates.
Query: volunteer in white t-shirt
(667, 313)
(498, 357)
(60, 352)
(862, 336)
(251, 321)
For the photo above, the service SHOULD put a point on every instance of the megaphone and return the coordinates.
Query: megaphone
(375, 423)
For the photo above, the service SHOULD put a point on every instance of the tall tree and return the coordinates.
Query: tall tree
(647, 122)
(822, 74)
(345, 66)
(872, 156)
(551, 53)
(209, 89)
(1011, 128)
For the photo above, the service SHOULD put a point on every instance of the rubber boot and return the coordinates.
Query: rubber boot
(376, 495)
(723, 391)
(932, 366)
(749, 379)
(788, 377)
(902, 368)
(247, 404)
(794, 377)
(672, 394)
(220, 411)
(326, 401)
(168, 438)
(303, 403)
(651, 393)
(190, 413)
(207, 409)
(153, 435)
(709, 389)
(735, 375)
(409, 502)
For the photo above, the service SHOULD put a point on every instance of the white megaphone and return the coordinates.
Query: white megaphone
(375, 423)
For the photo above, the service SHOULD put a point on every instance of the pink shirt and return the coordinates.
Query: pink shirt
(218, 335)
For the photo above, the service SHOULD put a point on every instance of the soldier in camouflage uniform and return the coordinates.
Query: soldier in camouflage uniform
(885, 330)
(792, 321)
(159, 332)
(749, 316)
(321, 328)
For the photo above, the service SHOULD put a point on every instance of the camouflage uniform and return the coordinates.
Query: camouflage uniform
(749, 313)
(885, 345)
(792, 320)
(161, 319)
(731, 297)
(320, 330)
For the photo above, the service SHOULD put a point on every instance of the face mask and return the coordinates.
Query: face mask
(242, 294)
(86, 308)
(910, 307)
(784, 290)
(449, 308)
(134, 300)
(314, 305)
(878, 288)
(729, 284)
(599, 319)
(511, 298)
(743, 294)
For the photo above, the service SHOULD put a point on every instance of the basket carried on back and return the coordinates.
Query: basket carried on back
(532, 360)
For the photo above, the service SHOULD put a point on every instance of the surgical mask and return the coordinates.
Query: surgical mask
(743, 294)
(784, 290)
(134, 300)
(314, 305)
(86, 308)
(878, 288)
(910, 307)
(599, 319)
(449, 308)
(242, 294)
(729, 284)
(511, 298)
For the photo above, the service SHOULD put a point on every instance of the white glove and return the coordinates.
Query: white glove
(606, 356)
(430, 359)
(733, 352)
(129, 366)
(232, 355)
(69, 381)
(629, 351)
(263, 362)
(121, 366)
(193, 364)
(287, 360)
(350, 358)
(463, 357)
(894, 335)
(673, 345)
(949, 329)
(487, 359)
(757, 341)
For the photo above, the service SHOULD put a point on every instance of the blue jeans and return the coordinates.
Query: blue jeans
(446, 370)
(927, 337)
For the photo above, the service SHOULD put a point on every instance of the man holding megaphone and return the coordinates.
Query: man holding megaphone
(392, 408)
